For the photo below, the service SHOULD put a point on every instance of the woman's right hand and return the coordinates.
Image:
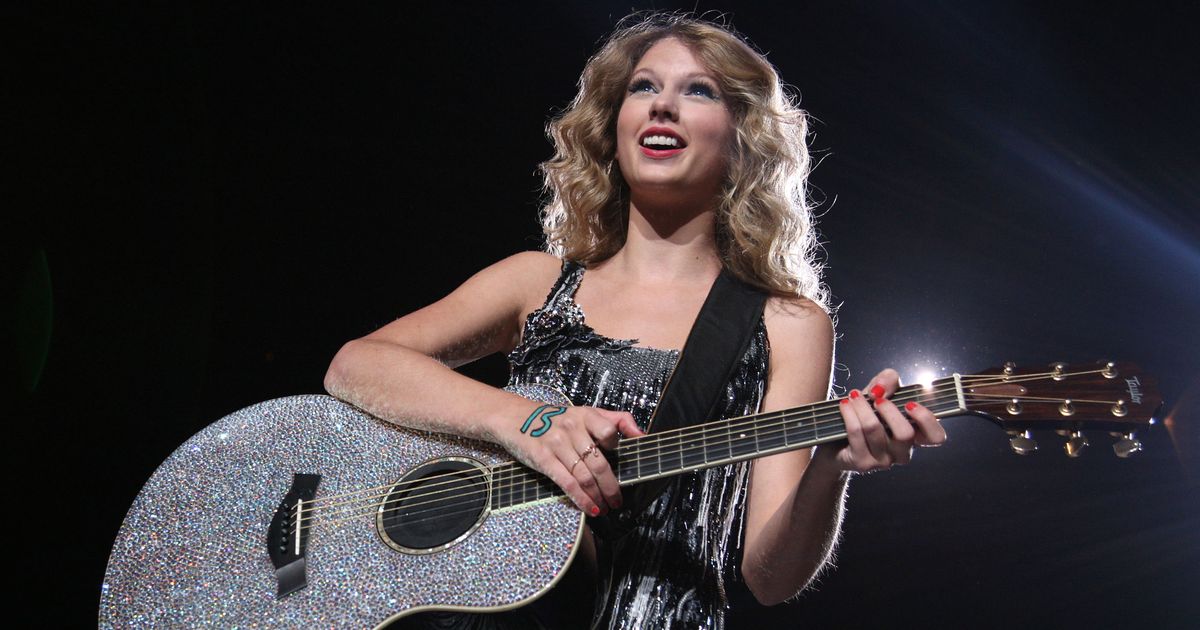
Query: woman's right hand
(565, 444)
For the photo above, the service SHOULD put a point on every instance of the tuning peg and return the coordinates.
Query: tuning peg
(1127, 445)
(1075, 444)
(1021, 442)
(1009, 368)
(1057, 374)
(1110, 370)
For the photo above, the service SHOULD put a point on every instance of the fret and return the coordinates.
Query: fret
(547, 489)
(826, 428)
(743, 441)
(717, 443)
(670, 453)
(803, 426)
(627, 467)
(695, 453)
(773, 434)
(514, 483)
(510, 487)
(499, 489)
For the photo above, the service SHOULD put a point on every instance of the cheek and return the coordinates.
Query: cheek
(627, 126)
(719, 132)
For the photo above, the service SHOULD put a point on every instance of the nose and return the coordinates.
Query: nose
(664, 107)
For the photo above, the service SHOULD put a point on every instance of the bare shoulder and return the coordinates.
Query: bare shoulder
(529, 275)
(801, 363)
(795, 320)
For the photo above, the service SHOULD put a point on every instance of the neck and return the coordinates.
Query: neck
(669, 244)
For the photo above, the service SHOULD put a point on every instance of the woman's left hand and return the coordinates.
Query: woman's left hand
(868, 445)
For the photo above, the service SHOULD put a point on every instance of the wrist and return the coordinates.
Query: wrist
(506, 418)
(824, 466)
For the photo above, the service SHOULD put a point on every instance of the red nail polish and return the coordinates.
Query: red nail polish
(595, 511)
(910, 405)
(844, 401)
(854, 394)
(877, 392)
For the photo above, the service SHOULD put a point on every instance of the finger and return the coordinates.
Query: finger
(610, 489)
(626, 424)
(857, 456)
(900, 446)
(873, 432)
(888, 379)
(569, 458)
(590, 486)
(565, 480)
(605, 428)
(930, 431)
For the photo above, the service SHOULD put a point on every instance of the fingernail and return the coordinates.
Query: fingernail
(844, 401)
(877, 392)
(854, 394)
(910, 405)
(595, 511)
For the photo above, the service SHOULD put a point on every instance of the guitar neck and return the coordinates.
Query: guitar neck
(722, 442)
(739, 439)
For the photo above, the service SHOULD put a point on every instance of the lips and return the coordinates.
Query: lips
(660, 142)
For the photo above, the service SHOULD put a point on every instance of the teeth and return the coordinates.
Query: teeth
(660, 141)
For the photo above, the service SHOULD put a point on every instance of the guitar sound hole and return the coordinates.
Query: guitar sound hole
(434, 506)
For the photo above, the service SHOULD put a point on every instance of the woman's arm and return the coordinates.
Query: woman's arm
(794, 513)
(402, 373)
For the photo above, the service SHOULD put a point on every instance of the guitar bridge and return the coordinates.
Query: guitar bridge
(287, 537)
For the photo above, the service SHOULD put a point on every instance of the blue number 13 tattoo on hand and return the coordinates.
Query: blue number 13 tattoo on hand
(543, 413)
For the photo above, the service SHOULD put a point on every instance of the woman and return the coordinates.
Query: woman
(680, 156)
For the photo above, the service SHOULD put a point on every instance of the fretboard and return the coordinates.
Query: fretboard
(722, 442)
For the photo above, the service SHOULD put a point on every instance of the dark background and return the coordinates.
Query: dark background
(208, 200)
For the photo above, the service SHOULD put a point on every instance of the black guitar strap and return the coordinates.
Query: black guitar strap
(696, 390)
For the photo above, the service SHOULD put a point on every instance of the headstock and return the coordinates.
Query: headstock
(1115, 397)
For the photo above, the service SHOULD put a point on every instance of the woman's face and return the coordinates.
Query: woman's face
(674, 130)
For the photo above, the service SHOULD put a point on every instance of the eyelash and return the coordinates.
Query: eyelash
(700, 88)
(703, 86)
(640, 85)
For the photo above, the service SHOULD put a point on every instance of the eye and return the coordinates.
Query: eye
(641, 85)
(702, 88)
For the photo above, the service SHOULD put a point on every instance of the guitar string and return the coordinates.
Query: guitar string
(640, 444)
(522, 481)
(523, 478)
(554, 492)
(471, 497)
(728, 427)
(725, 426)
(471, 500)
(1045, 399)
(471, 494)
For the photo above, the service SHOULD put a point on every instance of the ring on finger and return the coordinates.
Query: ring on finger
(571, 470)
(588, 451)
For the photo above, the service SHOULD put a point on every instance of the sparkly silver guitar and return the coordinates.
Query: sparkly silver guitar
(306, 512)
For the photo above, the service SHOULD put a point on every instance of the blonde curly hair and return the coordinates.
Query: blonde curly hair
(765, 232)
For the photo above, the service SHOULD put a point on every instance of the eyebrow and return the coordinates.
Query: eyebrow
(691, 76)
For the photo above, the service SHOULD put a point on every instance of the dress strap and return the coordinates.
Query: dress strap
(567, 284)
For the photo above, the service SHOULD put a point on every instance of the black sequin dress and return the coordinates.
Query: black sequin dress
(671, 570)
